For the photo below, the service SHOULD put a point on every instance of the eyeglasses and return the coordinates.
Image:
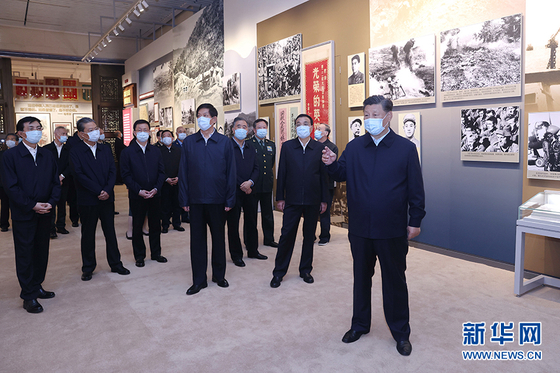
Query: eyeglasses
(38, 128)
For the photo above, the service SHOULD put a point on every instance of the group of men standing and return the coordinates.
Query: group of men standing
(213, 178)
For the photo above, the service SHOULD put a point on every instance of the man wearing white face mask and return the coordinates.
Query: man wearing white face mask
(11, 141)
(181, 136)
(385, 195)
(207, 187)
(61, 152)
(30, 179)
(170, 210)
(301, 189)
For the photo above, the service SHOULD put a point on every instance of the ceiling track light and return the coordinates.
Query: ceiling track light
(99, 47)
(115, 32)
(109, 39)
(128, 20)
(96, 52)
(136, 12)
(140, 7)
(121, 27)
(104, 44)
(145, 3)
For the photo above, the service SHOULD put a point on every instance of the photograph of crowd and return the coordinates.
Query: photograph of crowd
(403, 70)
(279, 70)
(490, 130)
(232, 91)
(484, 55)
(543, 158)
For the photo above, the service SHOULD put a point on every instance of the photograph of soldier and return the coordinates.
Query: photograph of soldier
(356, 129)
(357, 76)
(231, 91)
(410, 128)
(543, 158)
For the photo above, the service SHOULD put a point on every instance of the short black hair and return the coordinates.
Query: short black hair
(161, 132)
(210, 107)
(158, 133)
(356, 120)
(386, 104)
(82, 122)
(140, 121)
(304, 116)
(356, 57)
(260, 120)
(12, 134)
(22, 121)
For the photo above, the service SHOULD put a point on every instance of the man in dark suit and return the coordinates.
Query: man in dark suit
(119, 147)
(301, 189)
(247, 173)
(61, 153)
(181, 136)
(11, 142)
(95, 174)
(322, 135)
(385, 208)
(71, 196)
(171, 212)
(30, 179)
(207, 187)
(143, 173)
(266, 156)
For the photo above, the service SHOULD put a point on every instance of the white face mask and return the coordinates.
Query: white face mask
(303, 131)
(374, 125)
(182, 136)
(34, 136)
(318, 135)
(10, 143)
(63, 139)
(102, 137)
(143, 136)
(167, 141)
(204, 123)
(240, 134)
(261, 133)
(94, 135)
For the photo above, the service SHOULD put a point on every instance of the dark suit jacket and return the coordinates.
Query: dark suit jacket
(301, 174)
(119, 147)
(93, 174)
(208, 173)
(27, 182)
(141, 171)
(266, 156)
(383, 183)
(63, 163)
(246, 163)
(332, 146)
(178, 143)
(171, 159)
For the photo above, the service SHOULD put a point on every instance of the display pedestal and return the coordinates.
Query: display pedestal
(539, 227)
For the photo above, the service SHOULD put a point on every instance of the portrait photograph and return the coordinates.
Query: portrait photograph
(409, 126)
(232, 92)
(355, 127)
(543, 139)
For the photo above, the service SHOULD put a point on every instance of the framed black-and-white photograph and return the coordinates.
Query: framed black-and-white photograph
(356, 79)
(482, 61)
(355, 127)
(490, 134)
(543, 160)
(232, 92)
(542, 36)
(279, 70)
(166, 117)
(409, 126)
(156, 112)
(404, 72)
(188, 113)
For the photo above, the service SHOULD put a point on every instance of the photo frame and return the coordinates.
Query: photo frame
(156, 112)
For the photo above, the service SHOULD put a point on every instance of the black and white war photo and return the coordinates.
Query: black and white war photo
(543, 158)
(484, 55)
(232, 91)
(489, 133)
(404, 71)
(279, 70)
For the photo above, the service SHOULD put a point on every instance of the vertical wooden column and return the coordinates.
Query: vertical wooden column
(7, 112)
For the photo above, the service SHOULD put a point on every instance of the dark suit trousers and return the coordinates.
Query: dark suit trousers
(72, 199)
(89, 215)
(325, 219)
(249, 204)
(5, 209)
(290, 223)
(138, 209)
(60, 220)
(214, 216)
(31, 243)
(170, 210)
(267, 216)
(392, 259)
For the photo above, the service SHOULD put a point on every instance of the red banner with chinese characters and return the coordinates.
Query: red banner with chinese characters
(70, 94)
(21, 92)
(317, 91)
(36, 92)
(127, 126)
(52, 93)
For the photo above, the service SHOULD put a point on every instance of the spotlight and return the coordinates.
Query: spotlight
(121, 27)
(128, 20)
(136, 12)
(96, 52)
(109, 39)
(140, 7)
(99, 47)
(115, 32)
(145, 3)
(104, 44)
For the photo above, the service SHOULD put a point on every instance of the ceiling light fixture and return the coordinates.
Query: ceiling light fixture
(115, 32)
(104, 44)
(136, 12)
(109, 39)
(145, 3)
(128, 20)
(121, 27)
(99, 47)
(140, 7)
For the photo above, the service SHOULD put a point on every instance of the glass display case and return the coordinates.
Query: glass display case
(544, 206)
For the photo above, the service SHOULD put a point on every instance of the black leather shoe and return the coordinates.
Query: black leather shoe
(4, 229)
(145, 233)
(43, 294)
(164, 230)
(307, 277)
(257, 256)
(32, 306)
(140, 263)
(404, 347)
(75, 224)
(352, 336)
(116, 212)
(160, 259)
(62, 230)
(239, 262)
(54, 235)
(179, 228)
(271, 244)
(120, 270)
(196, 288)
(127, 236)
(86, 276)
(275, 282)
(222, 283)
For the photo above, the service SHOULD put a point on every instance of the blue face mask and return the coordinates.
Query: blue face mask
(204, 123)
(318, 135)
(10, 143)
(167, 141)
(34, 136)
(303, 131)
(261, 133)
(102, 137)
(63, 139)
(182, 136)
(143, 136)
(240, 134)
(374, 125)
(94, 135)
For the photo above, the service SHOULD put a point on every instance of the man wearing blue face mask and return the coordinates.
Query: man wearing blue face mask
(301, 189)
(266, 157)
(247, 173)
(385, 195)
(61, 152)
(11, 141)
(30, 179)
(207, 187)
(181, 136)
